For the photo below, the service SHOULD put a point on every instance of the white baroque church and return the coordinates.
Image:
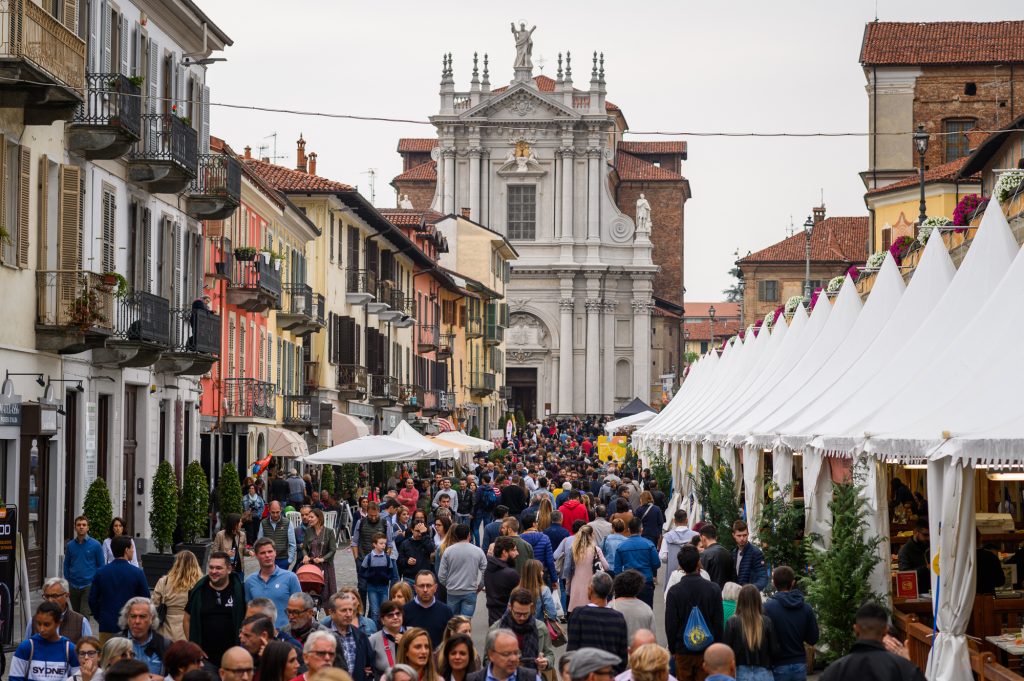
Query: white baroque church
(532, 160)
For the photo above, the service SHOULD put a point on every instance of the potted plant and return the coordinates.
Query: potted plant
(245, 253)
(1008, 185)
(900, 248)
(193, 512)
(85, 311)
(5, 236)
(966, 210)
(875, 260)
(229, 493)
(163, 517)
(715, 489)
(115, 282)
(98, 509)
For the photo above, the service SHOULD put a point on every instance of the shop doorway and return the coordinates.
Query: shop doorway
(131, 444)
(32, 490)
(523, 382)
(70, 457)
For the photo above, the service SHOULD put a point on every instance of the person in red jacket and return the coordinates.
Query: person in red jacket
(573, 510)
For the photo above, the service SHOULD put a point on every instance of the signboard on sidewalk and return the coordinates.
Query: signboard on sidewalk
(8, 569)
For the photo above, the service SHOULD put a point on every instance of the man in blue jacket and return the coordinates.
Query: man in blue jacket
(83, 557)
(115, 583)
(794, 623)
(542, 549)
(639, 553)
(750, 565)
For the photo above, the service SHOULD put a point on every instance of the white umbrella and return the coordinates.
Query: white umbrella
(407, 434)
(368, 449)
(460, 438)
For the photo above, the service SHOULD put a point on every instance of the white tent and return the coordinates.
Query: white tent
(640, 419)
(368, 449)
(458, 437)
(409, 435)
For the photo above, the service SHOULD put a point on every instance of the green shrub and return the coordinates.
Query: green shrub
(715, 489)
(163, 517)
(229, 492)
(661, 470)
(194, 505)
(98, 509)
(349, 479)
(780, 530)
(327, 479)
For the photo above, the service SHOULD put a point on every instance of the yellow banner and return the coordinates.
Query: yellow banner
(611, 448)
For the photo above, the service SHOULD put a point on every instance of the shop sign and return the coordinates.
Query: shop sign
(10, 411)
(8, 568)
(363, 411)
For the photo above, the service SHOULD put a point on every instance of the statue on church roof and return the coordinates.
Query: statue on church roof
(643, 215)
(524, 46)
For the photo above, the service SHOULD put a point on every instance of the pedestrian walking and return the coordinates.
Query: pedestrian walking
(114, 584)
(170, 595)
(83, 557)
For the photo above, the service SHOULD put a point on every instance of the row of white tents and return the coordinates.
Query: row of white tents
(919, 373)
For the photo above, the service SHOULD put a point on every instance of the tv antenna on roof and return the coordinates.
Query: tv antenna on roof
(791, 228)
(372, 172)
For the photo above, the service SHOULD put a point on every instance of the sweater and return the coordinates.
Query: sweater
(81, 561)
(499, 580)
(433, 618)
(36, 659)
(462, 567)
(591, 626)
(745, 655)
(794, 623)
(113, 585)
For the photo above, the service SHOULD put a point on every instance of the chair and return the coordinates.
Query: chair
(331, 520)
(294, 518)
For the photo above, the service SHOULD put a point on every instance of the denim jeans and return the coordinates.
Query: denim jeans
(479, 523)
(375, 595)
(563, 595)
(796, 671)
(748, 673)
(462, 604)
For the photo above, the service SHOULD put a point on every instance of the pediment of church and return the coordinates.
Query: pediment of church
(521, 102)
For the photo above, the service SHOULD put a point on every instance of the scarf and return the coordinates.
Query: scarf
(529, 643)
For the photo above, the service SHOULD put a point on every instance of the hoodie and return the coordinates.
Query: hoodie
(572, 511)
(794, 624)
(499, 580)
(671, 542)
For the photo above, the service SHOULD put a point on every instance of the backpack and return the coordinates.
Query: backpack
(696, 634)
(489, 498)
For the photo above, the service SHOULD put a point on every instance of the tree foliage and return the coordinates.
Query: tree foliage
(840, 575)
(780, 529)
(194, 505)
(163, 516)
(327, 479)
(661, 470)
(349, 479)
(734, 294)
(98, 509)
(229, 492)
(715, 489)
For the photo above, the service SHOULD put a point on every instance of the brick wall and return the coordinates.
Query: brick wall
(791, 283)
(666, 199)
(420, 193)
(412, 159)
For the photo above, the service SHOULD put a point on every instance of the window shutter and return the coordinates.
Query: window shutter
(136, 57)
(241, 350)
(154, 70)
(176, 284)
(147, 249)
(268, 371)
(105, 36)
(24, 189)
(347, 341)
(69, 15)
(124, 46)
(204, 130)
(43, 222)
(107, 254)
(69, 218)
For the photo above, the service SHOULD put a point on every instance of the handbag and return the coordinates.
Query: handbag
(597, 562)
(558, 638)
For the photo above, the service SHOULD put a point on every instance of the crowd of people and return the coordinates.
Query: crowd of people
(566, 548)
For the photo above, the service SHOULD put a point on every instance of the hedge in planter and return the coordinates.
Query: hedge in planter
(780, 529)
(193, 508)
(164, 514)
(715, 489)
(98, 509)
(229, 492)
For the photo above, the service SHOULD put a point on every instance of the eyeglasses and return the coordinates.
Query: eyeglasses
(324, 654)
(53, 597)
(88, 653)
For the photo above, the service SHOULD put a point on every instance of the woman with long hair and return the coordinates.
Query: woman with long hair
(279, 662)
(544, 512)
(172, 589)
(252, 507)
(750, 635)
(401, 524)
(319, 544)
(532, 579)
(651, 518)
(231, 540)
(88, 650)
(414, 650)
(457, 658)
(584, 554)
(459, 624)
(118, 527)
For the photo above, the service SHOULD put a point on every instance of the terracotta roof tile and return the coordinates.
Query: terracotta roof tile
(546, 84)
(947, 172)
(943, 42)
(838, 239)
(631, 168)
(644, 147)
(424, 172)
(701, 331)
(411, 216)
(288, 180)
(419, 145)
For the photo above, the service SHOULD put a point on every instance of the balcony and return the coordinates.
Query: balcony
(255, 286)
(384, 307)
(474, 326)
(361, 287)
(383, 390)
(505, 392)
(445, 345)
(223, 258)
(42, 64)
(166, 158)
(216, 192)
(141, 332)
(411, 397)
(195, 342)
(446, 402)
(74, 311)
(302, 311)
(248, 398)
(494, 334)
(109, 121)
(431, 402)
(301, 412)
(405, 306)
(481, 383)
(351, 381)
(427, 337)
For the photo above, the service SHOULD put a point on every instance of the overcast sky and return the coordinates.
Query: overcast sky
(743, 66)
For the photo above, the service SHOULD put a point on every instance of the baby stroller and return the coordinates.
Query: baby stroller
(311, 579)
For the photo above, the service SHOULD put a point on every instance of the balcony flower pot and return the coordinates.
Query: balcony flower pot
(221, 267)
(112, 280)
(245, 254)
(85, 311)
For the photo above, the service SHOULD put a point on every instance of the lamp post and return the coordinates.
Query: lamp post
(711, 322)
(808, 228)
(921, 143)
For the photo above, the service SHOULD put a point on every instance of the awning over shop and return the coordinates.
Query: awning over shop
(345, 427)
(286, 443)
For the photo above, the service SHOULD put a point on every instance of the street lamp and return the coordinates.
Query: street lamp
(808, 228)
(711, 318)
(921, 143)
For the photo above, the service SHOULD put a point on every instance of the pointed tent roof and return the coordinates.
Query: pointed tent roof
(637, 406)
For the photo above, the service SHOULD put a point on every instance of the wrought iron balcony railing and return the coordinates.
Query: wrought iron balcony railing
(195, 330)
(29, 32)
(257, 275)
(249, 398)
(352, 379)
(74, 298)
(474, 326)
(383, 387)
(445, 345)
(142, 317)
(361, 285)
(111, 99)
(165, 137)
(482, 381)
(301, 410)
(427, 337)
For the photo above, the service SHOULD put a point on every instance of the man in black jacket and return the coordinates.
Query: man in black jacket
(414, 552)
(870, 657)
(500, 577)
(692, 591)
(715, 558)
(216, 607)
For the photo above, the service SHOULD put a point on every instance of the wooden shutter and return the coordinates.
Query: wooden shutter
(176, 285)
(106, 38)
(136, 57)
(372, 261)
(346, 342)
(231, 347)
(154, 70)
(69, 218)
(43, 213)
(108, 259)
(204, 129)
(24, 192)
(382, 355)
(123, 45)
(147, 249)
(69, 15)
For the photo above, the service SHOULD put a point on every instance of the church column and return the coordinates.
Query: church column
(553, 382)
(642, 348)
(592, 390)
(608, 346)
(594, 156)
(474, 184)
(565, 236)
(448, 153)
(565, 350)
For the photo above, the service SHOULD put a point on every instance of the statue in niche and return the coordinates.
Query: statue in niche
(524, 46)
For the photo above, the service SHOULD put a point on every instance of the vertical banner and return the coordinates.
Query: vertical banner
(91, 426)
(8, 569)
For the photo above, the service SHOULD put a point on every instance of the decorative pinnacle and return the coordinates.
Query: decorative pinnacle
(559, 66)
(568, 65)
(600, 72)
(444, 64)
(474, 67)
(486, 72)
(593, 72)
(449, 63)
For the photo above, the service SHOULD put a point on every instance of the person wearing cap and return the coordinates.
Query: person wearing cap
(501, 648)
(593, 664)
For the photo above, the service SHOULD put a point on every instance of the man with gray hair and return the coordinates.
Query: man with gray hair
(598, 626)
(301, 621)
(320, 651)
(501, 648)
(138, 621)
(73, 625)
(354, 653)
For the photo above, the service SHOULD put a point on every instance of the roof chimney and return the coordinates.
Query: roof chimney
(819, 213)
(248, 152)
(312, 163)
(300, 154)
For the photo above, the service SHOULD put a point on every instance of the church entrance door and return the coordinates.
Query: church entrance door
(523, 381)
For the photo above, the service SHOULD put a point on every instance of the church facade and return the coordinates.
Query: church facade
(539, 161)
